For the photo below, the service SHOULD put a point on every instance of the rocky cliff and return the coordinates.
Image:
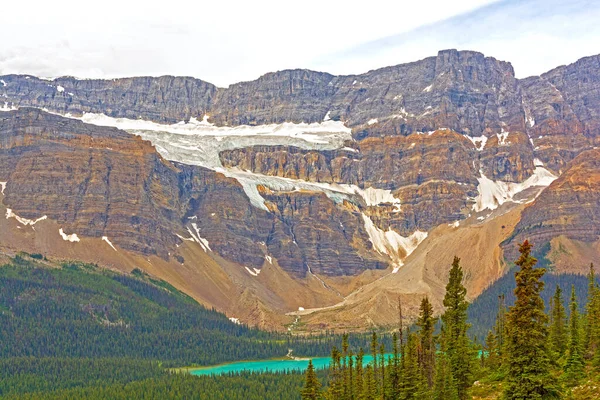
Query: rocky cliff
(569, 207)
(103, 182)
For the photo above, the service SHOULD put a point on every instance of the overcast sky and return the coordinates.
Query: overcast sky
(226, 41)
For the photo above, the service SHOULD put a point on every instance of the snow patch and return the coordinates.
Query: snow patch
(2, 82)
(105, 238)
(22, 221)
(253, 271)
(69, 238)
(502, 136)
(372, 121)
(198, 239)
(455, 224)
(327, 117)
(375, 197)
(235, 320)
(269, 259)
(7, 108)
(493, 194)
(537, 162)
(300, 308)
(3, 185)
(60, 89)
(478, 141)
(428, 88)
(391, 242)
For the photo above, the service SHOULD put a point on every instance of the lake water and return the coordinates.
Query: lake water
(268, 366)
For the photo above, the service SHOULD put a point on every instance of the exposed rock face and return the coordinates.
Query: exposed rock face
(95, 181)
(433, 176)
(570, 206)
(98, 181)
(165, 99)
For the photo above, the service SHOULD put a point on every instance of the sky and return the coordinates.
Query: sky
(226, 41)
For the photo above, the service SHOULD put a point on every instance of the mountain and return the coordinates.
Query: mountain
(304, 200)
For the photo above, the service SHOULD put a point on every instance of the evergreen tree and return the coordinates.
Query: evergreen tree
(358, 384)
(426, 324)
(501, 330)
(492, 360)
(574, 369)
(558, 331)
(312, 386)
(411, 383)
(592, 308)
(369, 391)
(445, 384)
(461, 357)
(528, 375)
(336, 389)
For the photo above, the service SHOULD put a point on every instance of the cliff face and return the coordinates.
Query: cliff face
(166, 99)
(103, 182)
(569, 207)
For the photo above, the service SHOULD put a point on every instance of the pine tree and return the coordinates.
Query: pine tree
(312, 386)
(501, 330)
(411, 383)
(492, 360)
(592, 308)
(374, 346)
(336, 388)
(460, 353)
(369, 391)
(558, 332)
(445, 385)
(358, 385)
(528, 361)
(426, 324)
(574, 369)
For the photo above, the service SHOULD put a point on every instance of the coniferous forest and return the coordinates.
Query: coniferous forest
(532, 351)
(78, 331)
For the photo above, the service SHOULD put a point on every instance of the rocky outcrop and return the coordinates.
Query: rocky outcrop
(569, 207)
(433, 175)
(166, 99)
(103, 182)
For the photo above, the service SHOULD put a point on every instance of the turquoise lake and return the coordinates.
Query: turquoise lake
(268, 366)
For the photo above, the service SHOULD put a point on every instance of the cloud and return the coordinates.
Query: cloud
(222, 42)
(534, 35)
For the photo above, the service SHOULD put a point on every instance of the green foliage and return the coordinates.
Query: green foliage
(243, 386)
(455, 343)
(528, 361)
(312, 386)
(557, 340)
(574, 369)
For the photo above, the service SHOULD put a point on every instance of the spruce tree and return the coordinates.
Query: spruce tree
(411, 383)
(312, 386)
(461, 357)
(592, 309)
(358, 385)
(336, 383)
(501, 330)
(492, 360)
(445, 385)
(426, 324)
(528, 361)
(574, 369)
(558, 330)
